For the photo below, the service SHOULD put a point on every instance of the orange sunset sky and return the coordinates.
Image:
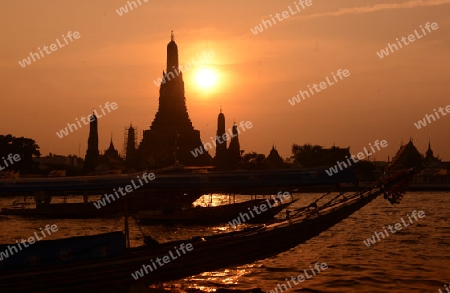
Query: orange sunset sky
(117, 58)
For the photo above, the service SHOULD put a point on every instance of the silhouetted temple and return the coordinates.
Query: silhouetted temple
(234, 150)
(131, 155)
(406, 157)
(171, 136)
(431, 169)
(111, 151)
(92, 152)
(110, 160)
(274, 160)
(227, 158)
(221, 158)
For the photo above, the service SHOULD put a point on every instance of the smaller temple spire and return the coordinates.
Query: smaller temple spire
(429, 154)
(111, 145)
(172, 37)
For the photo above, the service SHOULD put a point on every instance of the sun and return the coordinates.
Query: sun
(206, 78)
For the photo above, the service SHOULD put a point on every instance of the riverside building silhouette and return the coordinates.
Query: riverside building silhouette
(171, 136)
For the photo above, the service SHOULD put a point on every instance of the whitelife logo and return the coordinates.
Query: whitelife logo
(411, 38)
(320, 267)
(185, 248)
(187, 66)
(285, 14)
(12, 159)
(76, 35)
(129, 188)
(394, 228)
(11, 250)
(423, 123)
(124, 9)
(90, 118)
(342, 165)
(262, 208)
(207, 146)
(323, 85)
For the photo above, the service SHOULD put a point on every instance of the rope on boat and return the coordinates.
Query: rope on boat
(322, 197)
(115, 224)
(393, 187)
(139, 225)
(314, 206)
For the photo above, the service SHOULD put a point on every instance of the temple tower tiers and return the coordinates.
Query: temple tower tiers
(92, 152)
(429, 154)
(132, 160)
(221, 147)
(131, 146)
(111, 151)
(171, 136)
(234, 150)
(172, 55)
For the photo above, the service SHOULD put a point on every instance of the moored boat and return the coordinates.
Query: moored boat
(208, 182)
(206, 253)
(165, 190)
(213, 215)
(85, 209)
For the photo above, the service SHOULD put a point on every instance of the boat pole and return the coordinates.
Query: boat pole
(127, 230)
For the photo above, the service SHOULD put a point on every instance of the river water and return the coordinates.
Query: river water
(414, 259)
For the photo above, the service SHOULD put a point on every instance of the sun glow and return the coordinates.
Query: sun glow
(206, 78)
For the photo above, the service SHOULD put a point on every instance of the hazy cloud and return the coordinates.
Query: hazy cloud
(380, 7)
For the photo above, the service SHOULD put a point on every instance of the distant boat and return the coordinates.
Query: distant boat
(9, 175)
(166, 190)
(136, 201)
(87, 263)
(213, 215)
(57, 173)
(183, 180)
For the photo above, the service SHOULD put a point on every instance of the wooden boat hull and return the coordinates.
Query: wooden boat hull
(208, 253)
(217, 252)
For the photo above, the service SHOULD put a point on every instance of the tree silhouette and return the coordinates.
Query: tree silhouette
(307, 155)
(253, 161)
(25, 147)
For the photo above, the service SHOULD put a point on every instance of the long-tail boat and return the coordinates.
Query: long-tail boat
(165, 190)
(98, 263)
